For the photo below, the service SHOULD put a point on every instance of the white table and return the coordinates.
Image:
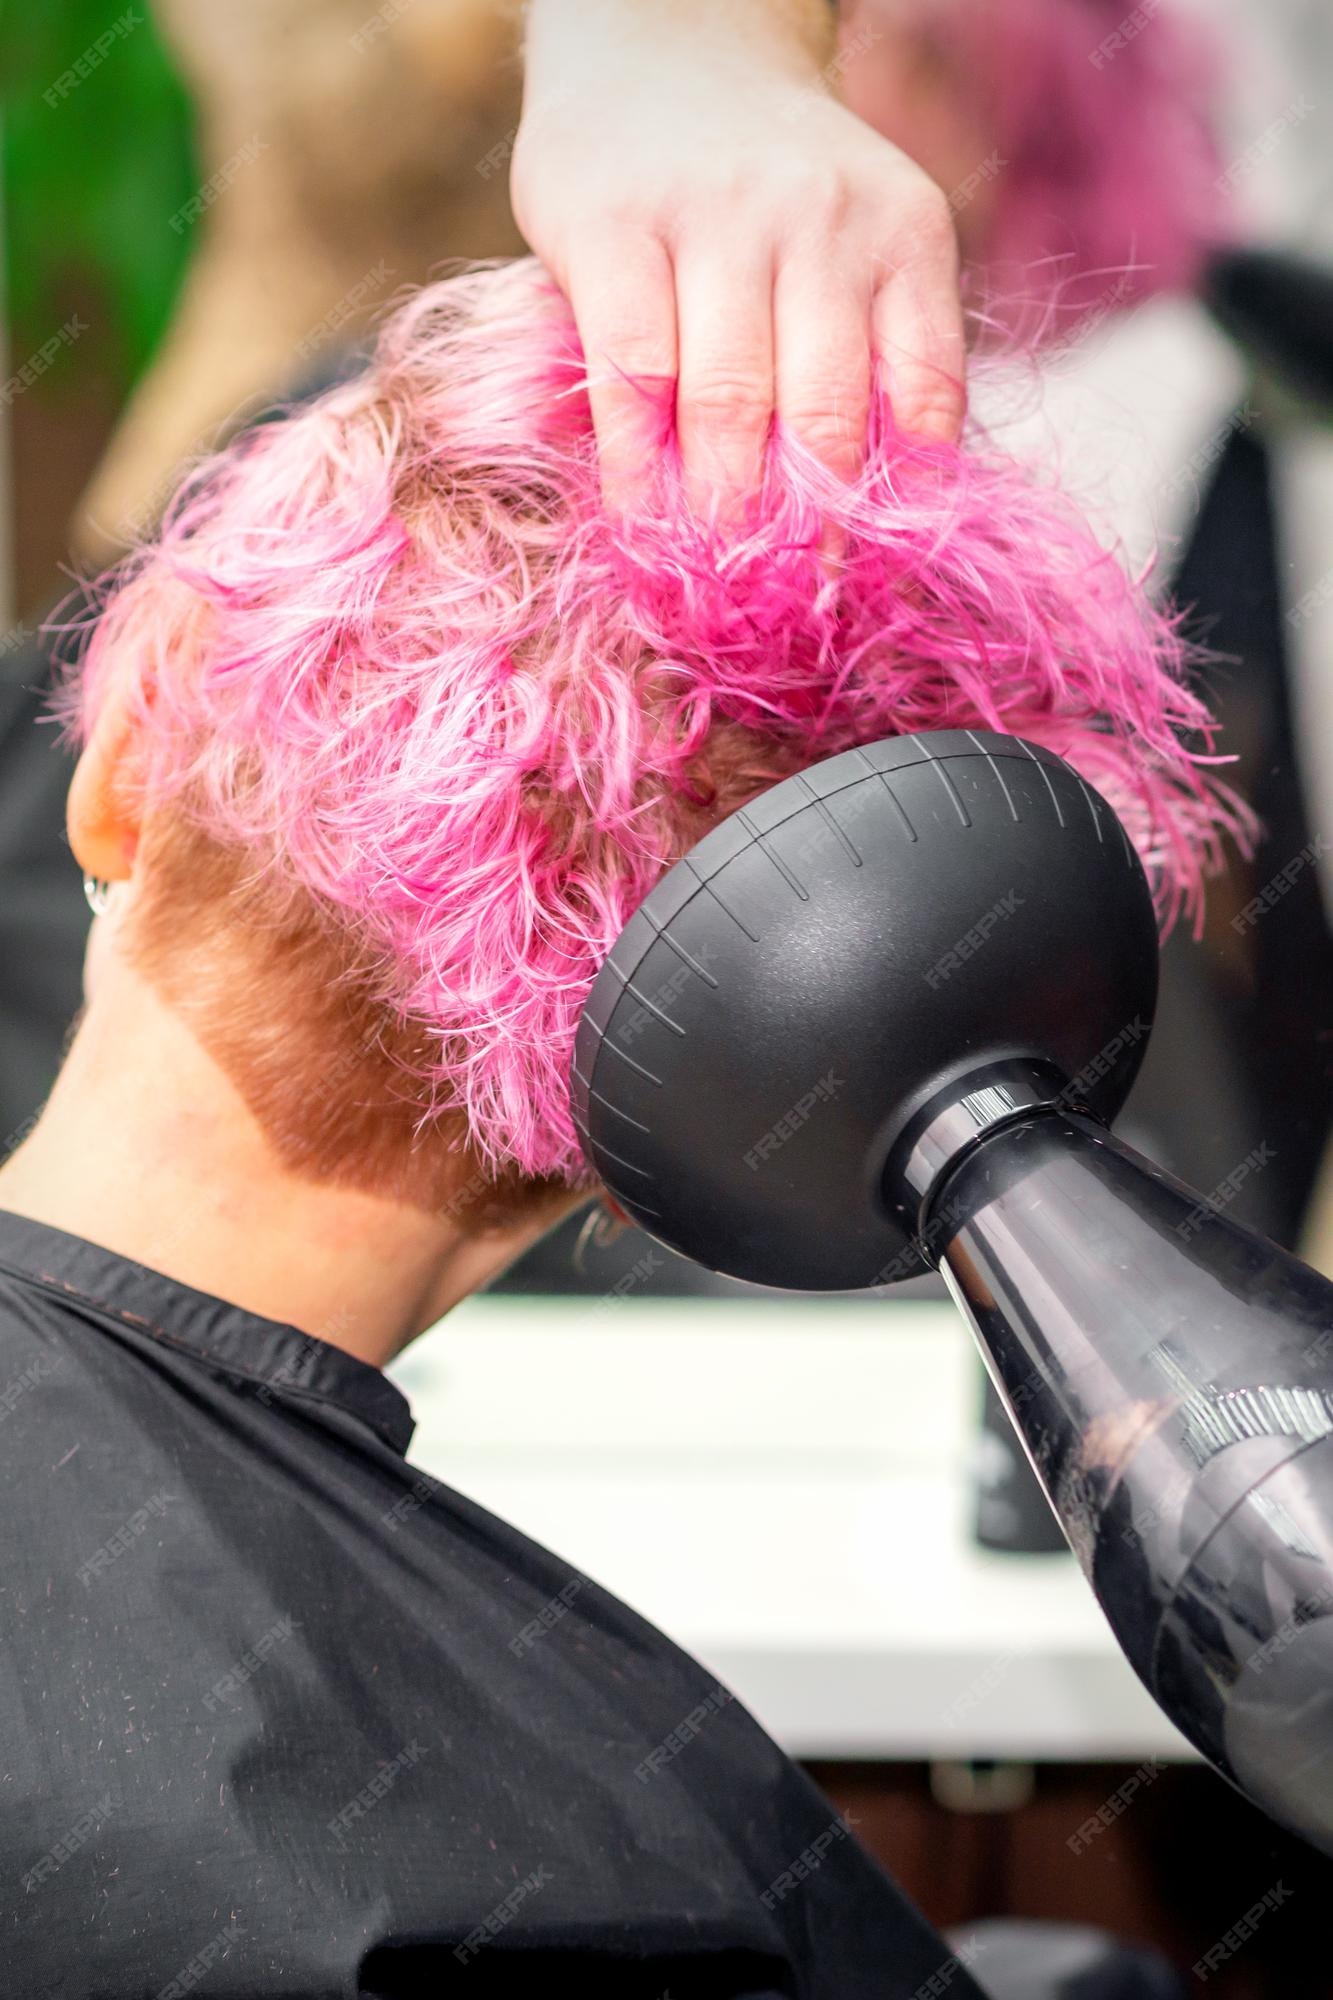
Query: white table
(782, 1487)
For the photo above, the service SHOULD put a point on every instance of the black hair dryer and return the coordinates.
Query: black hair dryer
(881, 1019)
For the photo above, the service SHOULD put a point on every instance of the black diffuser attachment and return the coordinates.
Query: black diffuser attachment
(829, 958)
(881, 1019)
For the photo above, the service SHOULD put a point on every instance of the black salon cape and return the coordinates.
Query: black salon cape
(280, 1715)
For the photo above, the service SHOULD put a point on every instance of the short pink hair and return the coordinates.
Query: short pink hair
(394, 647)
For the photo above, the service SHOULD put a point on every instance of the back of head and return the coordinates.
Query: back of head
(416, 723)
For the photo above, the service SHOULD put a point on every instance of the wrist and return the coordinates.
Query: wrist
(570, 41)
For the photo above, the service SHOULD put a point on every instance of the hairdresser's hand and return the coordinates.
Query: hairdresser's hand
(715, 216)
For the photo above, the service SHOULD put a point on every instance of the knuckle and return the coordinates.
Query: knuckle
(827, 201)
(742, 401)
(928, 226)
(817, 204)
(934, 407)
(833, 434)
(636, 352)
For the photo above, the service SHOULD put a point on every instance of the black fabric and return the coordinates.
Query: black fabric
(43, 916)
(1241, 1053)
(283, 1716)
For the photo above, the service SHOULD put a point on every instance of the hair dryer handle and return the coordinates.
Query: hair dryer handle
(1171, 1376)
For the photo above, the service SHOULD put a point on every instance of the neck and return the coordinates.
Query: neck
(146, 1148)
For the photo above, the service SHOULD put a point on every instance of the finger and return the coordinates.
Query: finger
(724, 399)
(822, 332)
(623, 294)
(917, 333)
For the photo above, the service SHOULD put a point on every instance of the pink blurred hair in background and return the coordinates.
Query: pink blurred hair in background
(393, 645)
(1083, 125)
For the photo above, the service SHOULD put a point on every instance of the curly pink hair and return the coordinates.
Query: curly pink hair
(395, 650)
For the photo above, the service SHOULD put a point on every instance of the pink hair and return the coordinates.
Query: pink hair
(394, 645)
(1109, 183)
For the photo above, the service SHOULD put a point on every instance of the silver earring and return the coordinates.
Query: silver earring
(98, 894)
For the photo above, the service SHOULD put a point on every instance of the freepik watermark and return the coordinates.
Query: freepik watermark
(792, 1121)
(347, 308)
(408, 1503)
(982, 1685)
(554, 1609)
(1102, 1064)
(1311, 600)
(1038, 1378)
(971, 185)
(655, 1004)
(923, 1246)
(826, 84)
(9, 1144)
(807, 1862)
(1152, 1517)
(1241, 1931)
(683, 1734)
(1279, 885)
(1187, 476)
(1120, 1800)
(37, 364)
(502, 1915)
(1319, 1348)
(378, 1788)
(251, 1660)
(850, 51)
(69, 1843)
(497, 158)
(1120, 38)
(93, 57)
(1267, 143)
(970, 943)
(628, 1282)
(1226, 1190)
(378, 24)
(294, 1369)
(463, 1198)
(1172, 1502)
(125, 1537)
(218, 183)
(1071, 322)
(941, 1980)
(14, 1391)
(1289, 1631)
(133, 528)
(500, 154)
(202, 1963)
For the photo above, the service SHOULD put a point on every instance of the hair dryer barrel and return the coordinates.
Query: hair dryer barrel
(1171, 1375)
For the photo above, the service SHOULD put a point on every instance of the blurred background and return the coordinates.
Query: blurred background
(203, 210)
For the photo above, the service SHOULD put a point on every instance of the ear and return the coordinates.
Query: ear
(102, 814)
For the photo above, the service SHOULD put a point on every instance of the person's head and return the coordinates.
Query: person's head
(392, 726)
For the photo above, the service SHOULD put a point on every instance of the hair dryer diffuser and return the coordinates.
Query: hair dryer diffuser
(880, 1019)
